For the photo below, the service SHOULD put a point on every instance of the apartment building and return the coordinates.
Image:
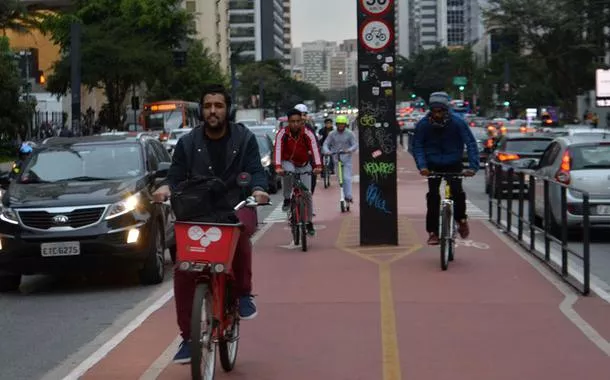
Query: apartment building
(287, 34)
(401, 27)
(316, 63)
(212, 26)
(257, 29)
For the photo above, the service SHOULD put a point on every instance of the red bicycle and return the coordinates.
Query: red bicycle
(208, 249)
(298, 212)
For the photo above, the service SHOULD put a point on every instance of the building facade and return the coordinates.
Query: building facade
(257, 29)
(316, 63)
(212, 26)
(287, 34)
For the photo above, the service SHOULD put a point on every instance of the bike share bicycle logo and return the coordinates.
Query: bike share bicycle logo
(204, 237)
(376, 35)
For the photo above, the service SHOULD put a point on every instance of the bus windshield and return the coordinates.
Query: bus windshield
(164, 121)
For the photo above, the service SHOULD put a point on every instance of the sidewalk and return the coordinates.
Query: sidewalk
(341, 311)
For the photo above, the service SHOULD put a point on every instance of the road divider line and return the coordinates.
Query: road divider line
(98, 355)
(570, 297)
(597, 285)
(389, 347)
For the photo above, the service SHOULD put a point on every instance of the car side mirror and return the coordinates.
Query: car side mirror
(163, 169)
(533, 164)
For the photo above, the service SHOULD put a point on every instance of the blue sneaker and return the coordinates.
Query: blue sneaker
(183, 356)
(247, 307)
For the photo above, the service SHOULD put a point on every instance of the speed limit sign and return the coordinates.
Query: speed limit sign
(375, 7)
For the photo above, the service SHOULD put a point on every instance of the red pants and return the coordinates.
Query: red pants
(184, 282)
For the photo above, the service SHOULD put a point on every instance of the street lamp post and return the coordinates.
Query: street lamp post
(27, 54)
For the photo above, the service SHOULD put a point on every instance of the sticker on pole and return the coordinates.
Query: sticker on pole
(375, 7)
(375, 35)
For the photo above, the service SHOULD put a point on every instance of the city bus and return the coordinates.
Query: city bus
(166, 115)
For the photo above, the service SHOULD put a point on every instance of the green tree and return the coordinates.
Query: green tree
(186, 83)
(425, 72)
(553, 37)
(125, 43)
(14, 16)
(13, 113)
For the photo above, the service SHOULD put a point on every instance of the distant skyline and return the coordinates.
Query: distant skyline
(329, 20)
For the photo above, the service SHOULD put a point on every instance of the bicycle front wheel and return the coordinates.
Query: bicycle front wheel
(203, 348)
(295, 226)
(303, 225)
(229, 342)
(446, 236)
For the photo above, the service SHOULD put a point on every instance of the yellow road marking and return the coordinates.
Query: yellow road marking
(389, 340)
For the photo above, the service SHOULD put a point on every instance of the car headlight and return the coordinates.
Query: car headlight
(123, 207)
(266, 161)
(8, 215)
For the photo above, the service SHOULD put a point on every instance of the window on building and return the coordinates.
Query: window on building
(241, 19)
(191, 6)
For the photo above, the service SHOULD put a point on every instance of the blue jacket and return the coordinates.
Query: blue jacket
(443, 147)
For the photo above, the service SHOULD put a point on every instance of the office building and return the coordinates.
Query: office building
(401, 27)
(316, 63)
(287, 34)
(257, 29)
(296, 56)
(212, 26)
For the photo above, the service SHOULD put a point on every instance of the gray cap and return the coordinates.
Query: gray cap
(439, 99)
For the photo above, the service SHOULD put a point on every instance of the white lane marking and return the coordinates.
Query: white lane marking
(98, 355)
(115, 340)
(598, 286)
(570, 297)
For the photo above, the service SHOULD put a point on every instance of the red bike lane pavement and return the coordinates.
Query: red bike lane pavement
(341, 311)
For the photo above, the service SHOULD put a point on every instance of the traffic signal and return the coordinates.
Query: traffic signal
(506, 103)
(412, 96)
(40, 78)
(344, 101)
(461, 88)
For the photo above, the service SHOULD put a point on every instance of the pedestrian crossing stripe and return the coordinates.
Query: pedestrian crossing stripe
(474, 212)
(276, 216)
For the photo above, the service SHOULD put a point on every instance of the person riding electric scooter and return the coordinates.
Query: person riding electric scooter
(342, 142)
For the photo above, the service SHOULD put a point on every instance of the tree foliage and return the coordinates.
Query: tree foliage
(186, 83)
(13, 113)
(280, 91)
(14, 16)
(124, 43)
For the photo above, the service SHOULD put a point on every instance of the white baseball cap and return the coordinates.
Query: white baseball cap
(301, 108)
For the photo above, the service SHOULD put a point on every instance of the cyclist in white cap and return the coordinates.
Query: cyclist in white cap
(309, 125)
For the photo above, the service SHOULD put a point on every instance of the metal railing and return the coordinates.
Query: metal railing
(502, 212)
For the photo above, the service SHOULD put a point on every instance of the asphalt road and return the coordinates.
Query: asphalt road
(600, 242)
(53, 318)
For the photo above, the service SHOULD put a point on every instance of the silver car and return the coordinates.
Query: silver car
(174, 136)
(583, 162)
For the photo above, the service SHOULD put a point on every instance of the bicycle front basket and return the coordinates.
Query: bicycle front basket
(206, 242)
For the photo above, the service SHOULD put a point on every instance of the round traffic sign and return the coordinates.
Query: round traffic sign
(375, 7)
(376, 35)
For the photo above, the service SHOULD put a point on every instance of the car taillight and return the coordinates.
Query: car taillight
(563, 174)
(472, 124)
(503, 130)
(523, 129)
(163, 137)
(402, 123)
(507, 157)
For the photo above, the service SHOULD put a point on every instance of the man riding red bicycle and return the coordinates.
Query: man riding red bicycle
(221, 149)
(293, 146)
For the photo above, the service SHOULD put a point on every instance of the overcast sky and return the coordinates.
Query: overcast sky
(330, 20)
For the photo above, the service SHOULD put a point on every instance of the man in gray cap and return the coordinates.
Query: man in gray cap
(438, 147)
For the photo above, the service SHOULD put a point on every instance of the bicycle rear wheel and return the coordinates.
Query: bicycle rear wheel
(446, 238)
(203, 348)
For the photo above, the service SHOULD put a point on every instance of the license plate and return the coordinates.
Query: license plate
(69, 248)
(603, 210)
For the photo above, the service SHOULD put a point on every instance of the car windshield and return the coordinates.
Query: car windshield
(590, 156)
(527, 145)
(84, 163)
(479, 133)
(263, 145)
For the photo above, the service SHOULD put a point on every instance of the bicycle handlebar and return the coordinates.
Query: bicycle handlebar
(446, 175)
(250, 202)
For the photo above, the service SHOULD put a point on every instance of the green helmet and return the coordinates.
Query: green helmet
(341, 119)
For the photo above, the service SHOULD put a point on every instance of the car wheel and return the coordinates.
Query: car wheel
(153, 271)
(9, 282)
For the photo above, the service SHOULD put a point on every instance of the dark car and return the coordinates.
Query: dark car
(83, 203)
(514, 150)
(480, 134)
(265, 146)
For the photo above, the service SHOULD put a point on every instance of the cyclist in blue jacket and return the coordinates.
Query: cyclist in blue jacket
(438, 147)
